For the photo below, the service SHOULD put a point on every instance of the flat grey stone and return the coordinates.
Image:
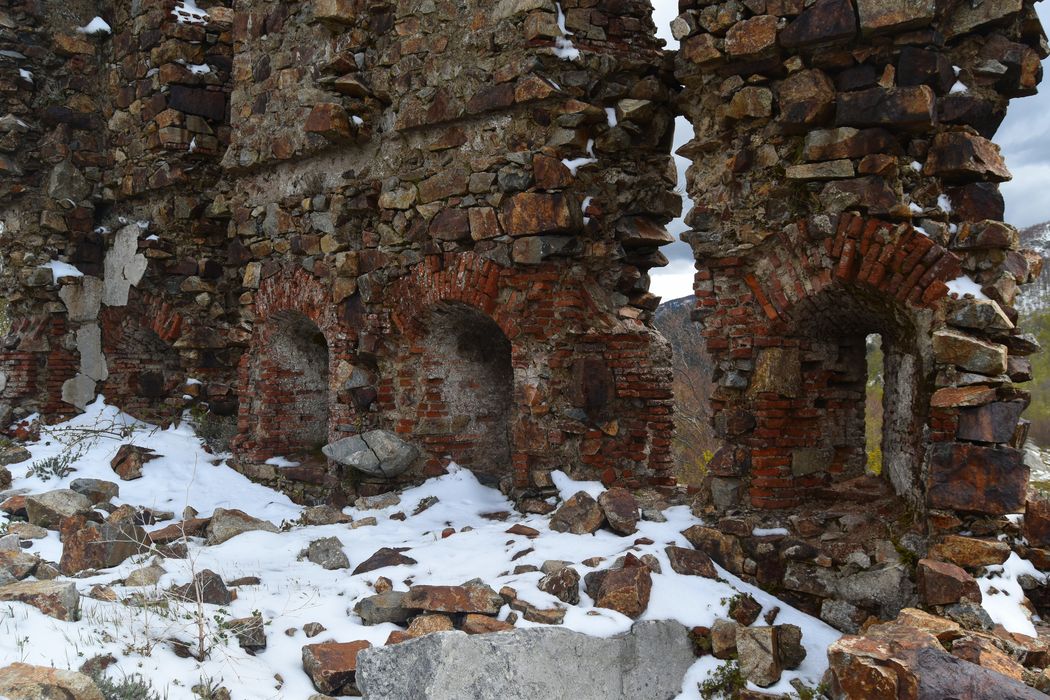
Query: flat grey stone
(525, 664)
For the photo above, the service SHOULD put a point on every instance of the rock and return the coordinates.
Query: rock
(690, 561)
(383, 558)
(193, 527)
(335, 12)
(894, 660)
(621, 510)
(59, 599)
(536, 213)
(383, 607)
(324, 515)
(992, 422)
(980, 314)
(66, 182)
(879, 16)
(847, 142)
(312, 629)
(744, 609)
(5, 478)
(970, 553)
(758, 652)
(824, 21)
(145, 576)
(969, 353)
(12, 454)
(331, 121)
(956, 155)
(723, 548)
(129, 460)
(885, 587)
(483, 624)
(901, 107)
(429, 624)
(250, 632)
(625, 590)
(807, 99)
(376, 453)
(327, 553)
(563, 584)
(96, 490)
(533, 613)
(24, 682)
(941, 583)
(50, 508)
(332, 666)
(227, 524)
(101, 546)
(750, 103)
(383, 500)
(966, 477)
(723, 639)
(648, 662)
(17, 564)
(1037, 520)
(752, 38)
(790, 650)
(206, 587)
(580, 515)
(10, 543)
(453, 599)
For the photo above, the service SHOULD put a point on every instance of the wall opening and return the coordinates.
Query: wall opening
(290, 393)
(865, 386)
(467, 404)
(874, 396)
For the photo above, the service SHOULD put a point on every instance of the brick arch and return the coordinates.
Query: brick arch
(893, 260)
(467, 279)
(791, 353)
(295, 289)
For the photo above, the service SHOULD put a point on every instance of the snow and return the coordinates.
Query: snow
(358, 121)
(563, 46)
(187, 12)
(964, 285)
(96, 26)
(282, 462)
(23, 73)
(574, 164)
(1002, 596)
(61, 269)
(944, 204)
(916, 166)
(770, 531)
(610, 115)
(583, 207)
(196, 68)
(914, 208)
(293, 593)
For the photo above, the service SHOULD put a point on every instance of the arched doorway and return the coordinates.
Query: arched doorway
(289, 388)
(468, 387)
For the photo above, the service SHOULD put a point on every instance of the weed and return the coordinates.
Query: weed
(725, 683)
(59, 466)
(133, 687)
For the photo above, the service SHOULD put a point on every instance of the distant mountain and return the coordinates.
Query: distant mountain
(695, 441)
(1036, 296)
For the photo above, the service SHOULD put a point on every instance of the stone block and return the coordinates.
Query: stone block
(974, 478)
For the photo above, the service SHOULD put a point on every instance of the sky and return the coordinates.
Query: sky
(1024, 137)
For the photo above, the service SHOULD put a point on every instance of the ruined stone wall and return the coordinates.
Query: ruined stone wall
(231, 181)
(846, 185)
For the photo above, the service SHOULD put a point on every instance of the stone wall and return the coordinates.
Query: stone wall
(306, 221)
(846, 186)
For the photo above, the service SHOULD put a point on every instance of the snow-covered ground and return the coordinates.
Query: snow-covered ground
(293, 593)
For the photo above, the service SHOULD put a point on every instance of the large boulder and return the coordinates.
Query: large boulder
(50, 508)
(59, 599)
(24, 682)
(376, 453)
(648, 662)
(896, 660)
(97, 546)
